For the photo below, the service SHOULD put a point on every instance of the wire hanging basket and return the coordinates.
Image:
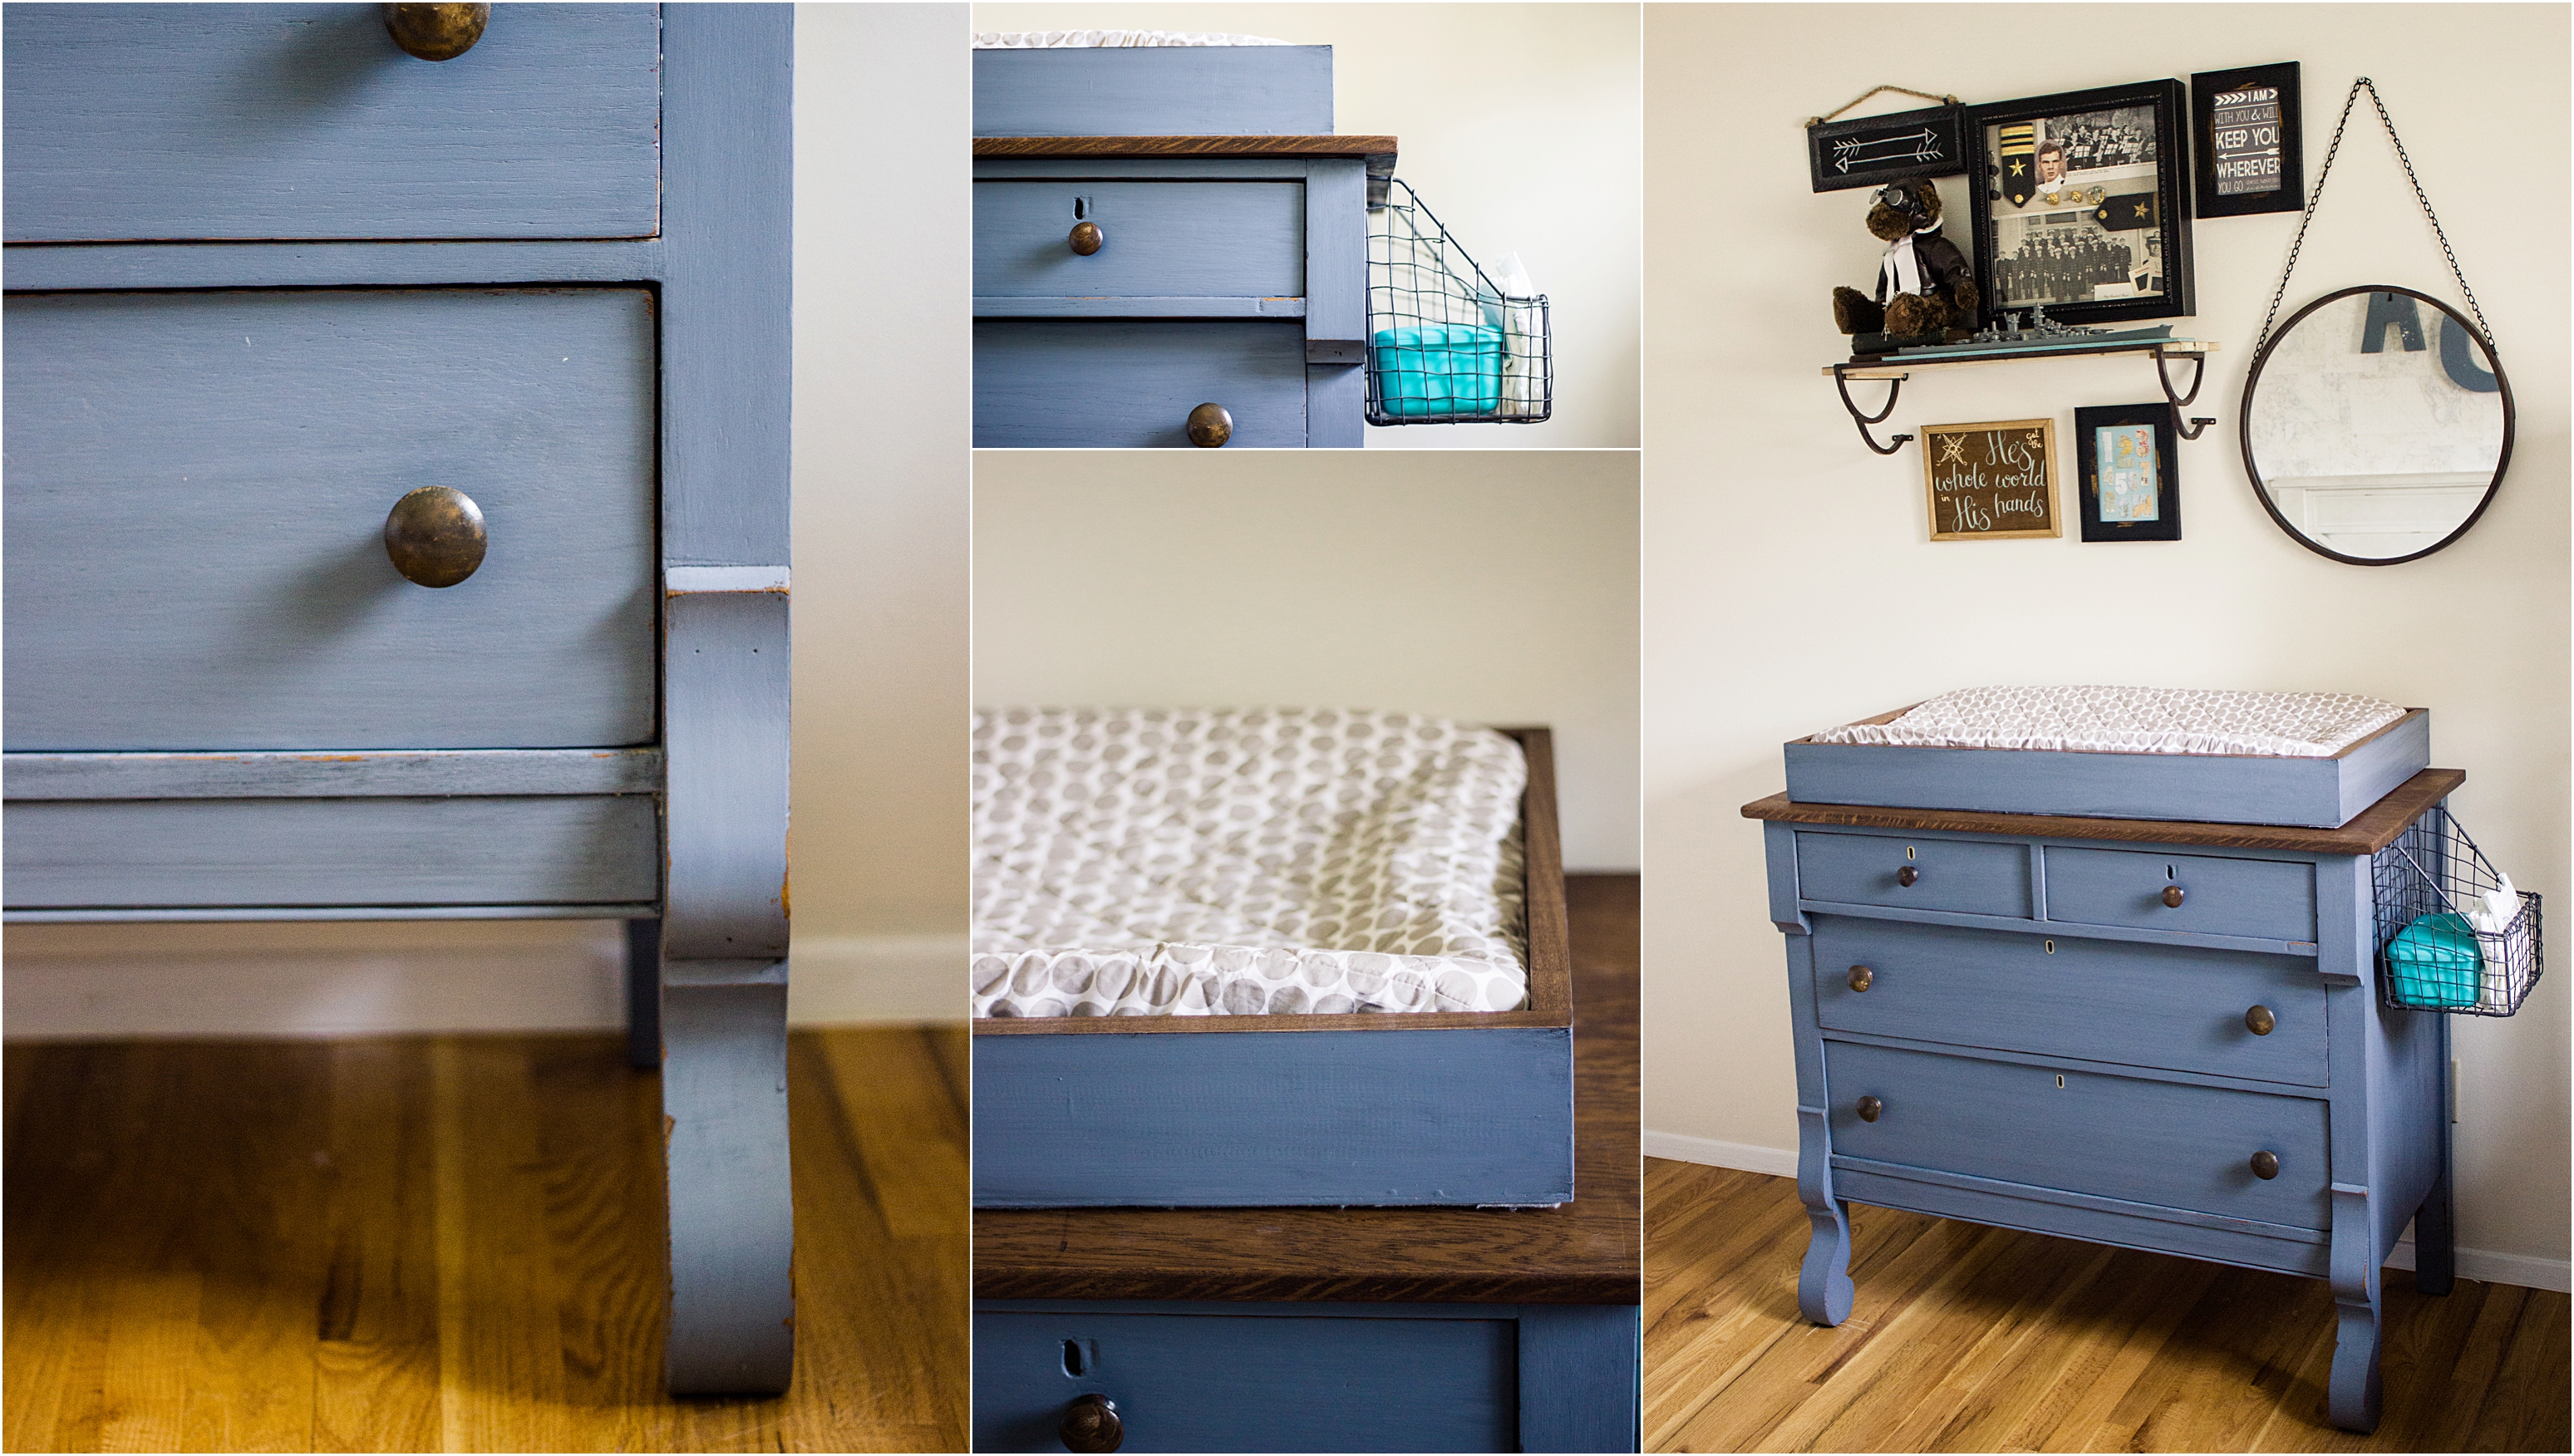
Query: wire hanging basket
(2442, 944)
(1446, 344)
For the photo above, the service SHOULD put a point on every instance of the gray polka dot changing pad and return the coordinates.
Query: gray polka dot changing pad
(1170, 862)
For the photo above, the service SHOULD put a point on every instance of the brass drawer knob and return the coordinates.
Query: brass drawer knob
(1210, 426)
(2266, 1164)
(1905, 876)
(437, 32)
(1869, 1108)
(1086, 238)
(1861, 978)
(2173, 897)
(1090, 1423)
(2259, 1021)
(435, 536)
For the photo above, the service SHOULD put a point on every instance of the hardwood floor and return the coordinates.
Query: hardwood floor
(455, 1243)
(1968, 1338)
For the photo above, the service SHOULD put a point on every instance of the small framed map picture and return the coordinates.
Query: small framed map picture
(2130, 478)
(1991, 482)
(2247, 132)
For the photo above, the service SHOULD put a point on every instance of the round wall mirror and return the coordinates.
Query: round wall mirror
(2376, 424)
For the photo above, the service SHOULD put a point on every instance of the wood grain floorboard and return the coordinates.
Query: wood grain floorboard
(1966, 1338)
(455, 1243)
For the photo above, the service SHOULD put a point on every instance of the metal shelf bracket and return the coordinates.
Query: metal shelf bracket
(1893, 389)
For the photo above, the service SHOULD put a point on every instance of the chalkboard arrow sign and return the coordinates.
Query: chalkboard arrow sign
(1872, 151)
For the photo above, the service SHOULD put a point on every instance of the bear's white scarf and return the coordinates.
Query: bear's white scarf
(1903, 267)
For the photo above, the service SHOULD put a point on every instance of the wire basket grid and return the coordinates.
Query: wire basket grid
(2438, 949)
(1446, 344)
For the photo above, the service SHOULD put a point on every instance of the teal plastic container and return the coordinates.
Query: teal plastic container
(2436, 963)
(1439, 369)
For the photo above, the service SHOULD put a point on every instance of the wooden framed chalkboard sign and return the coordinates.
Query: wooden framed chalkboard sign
(2250, 140)
(1991, 482)
(1871, 151)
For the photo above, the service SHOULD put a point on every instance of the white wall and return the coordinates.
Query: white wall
(884, 405)
(1518, 126)
(1495, 588)
(1791, 583)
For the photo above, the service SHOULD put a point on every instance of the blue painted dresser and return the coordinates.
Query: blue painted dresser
(269, 275)
(1170, 248)
(1341, 1329)
(2159, 1034)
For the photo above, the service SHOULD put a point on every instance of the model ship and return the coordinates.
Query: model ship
(2042, 331)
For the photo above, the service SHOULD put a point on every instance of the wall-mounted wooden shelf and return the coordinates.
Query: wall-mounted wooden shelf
(1895, 368)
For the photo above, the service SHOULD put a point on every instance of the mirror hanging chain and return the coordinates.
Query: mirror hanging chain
(2364, 83)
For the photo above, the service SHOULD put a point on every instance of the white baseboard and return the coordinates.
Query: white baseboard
(2491, 1266)
(345, 978)
(1779, 1163)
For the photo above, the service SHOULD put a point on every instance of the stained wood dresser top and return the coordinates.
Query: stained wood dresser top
(2376, 827)
(1584, 1252)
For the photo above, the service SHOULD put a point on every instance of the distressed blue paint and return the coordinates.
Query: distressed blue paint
(331, 851)
(1154, 91)
(2326, 792)
(1161, 239)
(306, 416)
(2148, 1006)
(1579, 1368)
(307, 121)
(1968, 1022)
(732, 1223)
(1336, 260)
(1109, 382)
(1250, 1118)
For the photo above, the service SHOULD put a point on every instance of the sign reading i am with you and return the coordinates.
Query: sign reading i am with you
(2247, 138)
(1991, 482)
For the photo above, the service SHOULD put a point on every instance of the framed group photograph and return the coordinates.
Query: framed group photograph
(2130, 476)
(1994, 481)
(2248, 134)
(2080, 204)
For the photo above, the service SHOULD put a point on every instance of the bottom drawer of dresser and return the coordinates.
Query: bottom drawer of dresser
(2129, 1139)
(1265, 1382)
(307, 853)
(1127, 383)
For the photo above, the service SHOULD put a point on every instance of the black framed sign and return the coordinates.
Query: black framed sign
(1874, 150)
(2081, 204)
(2130, 476)
(2250, 140)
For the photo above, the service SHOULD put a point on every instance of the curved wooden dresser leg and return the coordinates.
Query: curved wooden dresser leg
(1825, 1292)
(732, 1220)
(2352, 1401)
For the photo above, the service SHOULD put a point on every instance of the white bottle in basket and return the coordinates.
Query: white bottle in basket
(2500, 907)
(1523, 362)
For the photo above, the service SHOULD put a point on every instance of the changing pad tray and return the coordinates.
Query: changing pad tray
(2313, 760)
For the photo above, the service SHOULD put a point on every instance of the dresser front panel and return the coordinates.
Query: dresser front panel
(2102, 1000)
(197, 486)
(1161, 239)
(2272, 900)
(2172, 1144)
(1251, 1382)
(1958, 876)
(1112, 383)
(253, 122)
(214, 853)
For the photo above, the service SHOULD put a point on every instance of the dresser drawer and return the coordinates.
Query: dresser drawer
(216, 852)
(156, 122)
(1128, 383)
(2269, 899)
(197, 486)
(2102, 1000)
(1267, 1382)
(1169, 239)
(1961, 875)
(2140, 1141)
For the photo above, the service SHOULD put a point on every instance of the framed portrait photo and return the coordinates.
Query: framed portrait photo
(2249, 136)
(2130, 476)
(2080, 203)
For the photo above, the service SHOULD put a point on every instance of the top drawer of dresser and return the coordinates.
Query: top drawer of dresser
(2205, 894)
(197, 486)
(1164, 239)
(179, 122)
(1913, 874)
